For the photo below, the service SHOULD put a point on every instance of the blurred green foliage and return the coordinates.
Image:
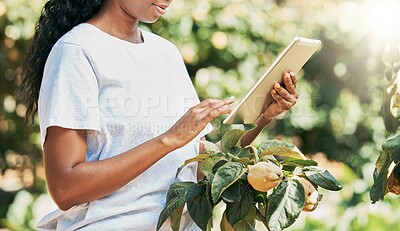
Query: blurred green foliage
(227, 45)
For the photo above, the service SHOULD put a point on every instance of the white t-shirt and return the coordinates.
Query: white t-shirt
(124, 94)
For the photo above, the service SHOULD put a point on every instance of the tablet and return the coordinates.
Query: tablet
(292, 58)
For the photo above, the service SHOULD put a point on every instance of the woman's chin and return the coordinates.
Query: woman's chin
(150, 19)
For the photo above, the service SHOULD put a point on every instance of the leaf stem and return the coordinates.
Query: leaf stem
(262, 218)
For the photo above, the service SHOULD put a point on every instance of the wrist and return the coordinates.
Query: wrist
(265, 118)
(168, 142)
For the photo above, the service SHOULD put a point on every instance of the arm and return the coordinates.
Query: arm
(284, 98)
(72, 181)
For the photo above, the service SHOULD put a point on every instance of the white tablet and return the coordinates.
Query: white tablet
(293, 58)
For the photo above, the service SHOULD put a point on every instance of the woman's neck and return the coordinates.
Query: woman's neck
(113, 20)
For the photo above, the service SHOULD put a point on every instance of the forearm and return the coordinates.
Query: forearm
(88, 181)
(251, 135)
(71, 180)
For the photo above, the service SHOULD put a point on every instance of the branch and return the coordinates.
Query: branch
(262, 218)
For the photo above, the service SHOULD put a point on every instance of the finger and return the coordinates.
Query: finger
(215, 103)
(281, 102)
(206, 103)
(294, 78)
(284, 93)
(218, 111)
(289, 84)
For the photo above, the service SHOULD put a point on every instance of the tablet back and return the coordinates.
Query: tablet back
(293, 58)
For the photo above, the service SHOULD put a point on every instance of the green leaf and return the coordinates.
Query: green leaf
(206, 167)
(323, 178)
(232, 193)
(176, 218)
(210, 148)
(231, 139)
(225, 176)
(245, 226)
(248, 223)
(282, 151)
(178, 188)
(253, 152)
(225, 226)
(198, 158)
(235, 151)
(245, 161)
(238, 210)
(176, 197)
(280, 148)
(289, 168)
(375, 174)
(276, 143)
(382, 160)
(260, 197)
(245, 153)
(299, 162)
(219, 164)
(285, 204)
(379, 188)
(199, 207)
(395, 156)
(392, 143)
(208, 196)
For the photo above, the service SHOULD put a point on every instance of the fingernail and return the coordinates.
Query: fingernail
(277, 85)
(292, 74)
(231, 98)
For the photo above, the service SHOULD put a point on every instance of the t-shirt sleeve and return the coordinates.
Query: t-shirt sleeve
(69, 92)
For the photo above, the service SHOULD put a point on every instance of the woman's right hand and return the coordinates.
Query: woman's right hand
(195, 120)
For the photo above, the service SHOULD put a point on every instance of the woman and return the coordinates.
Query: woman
(118, 113)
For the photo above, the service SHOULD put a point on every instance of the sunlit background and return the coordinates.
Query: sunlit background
(227, 45)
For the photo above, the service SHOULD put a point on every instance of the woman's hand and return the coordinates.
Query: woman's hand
(195, 120)
(285, 97)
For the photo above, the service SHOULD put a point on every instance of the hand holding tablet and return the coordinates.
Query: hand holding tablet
(284, 96)
(256, 101)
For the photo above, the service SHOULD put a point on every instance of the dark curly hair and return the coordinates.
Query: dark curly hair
(57, 18)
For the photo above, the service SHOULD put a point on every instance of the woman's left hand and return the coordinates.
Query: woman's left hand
(285, 97)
